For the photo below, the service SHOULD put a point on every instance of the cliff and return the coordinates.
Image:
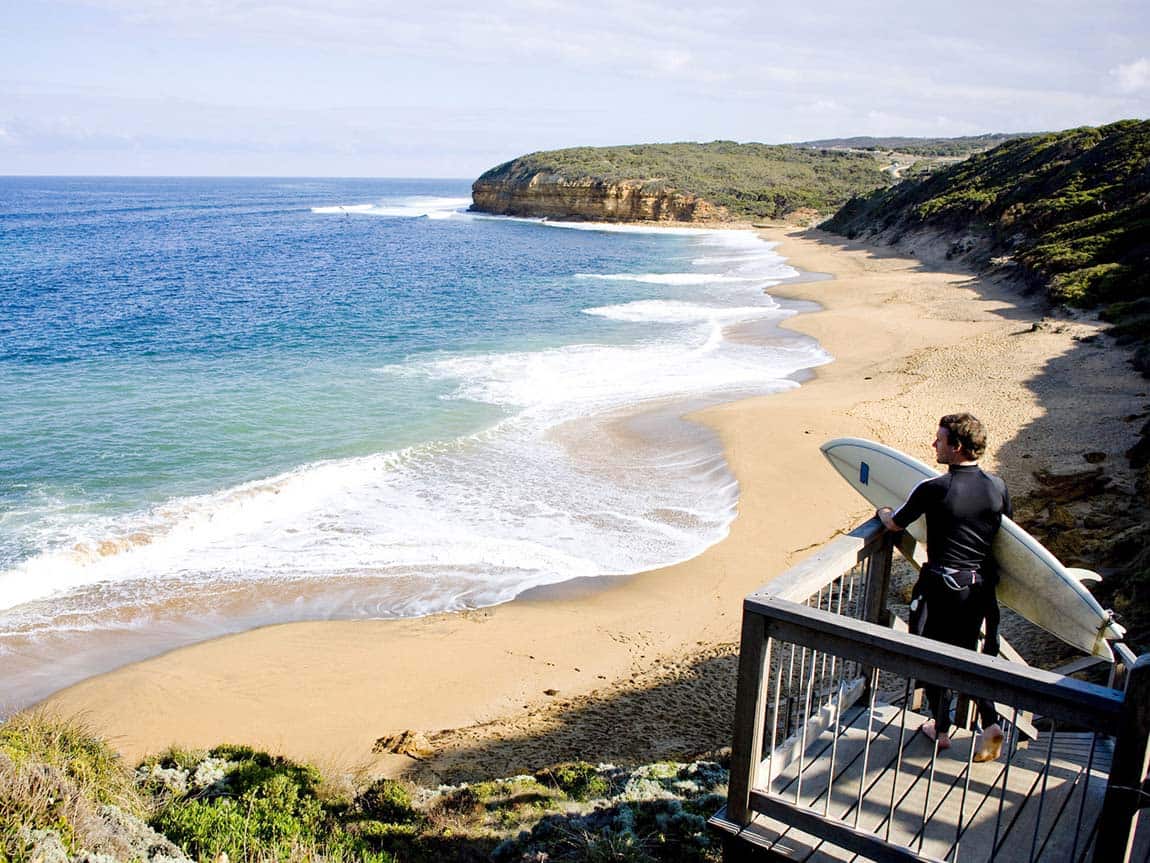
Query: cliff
(547, 195)
(683, 182)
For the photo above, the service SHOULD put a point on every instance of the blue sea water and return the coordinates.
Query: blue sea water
(231, 402)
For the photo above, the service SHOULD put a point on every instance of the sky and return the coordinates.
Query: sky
(374, 88)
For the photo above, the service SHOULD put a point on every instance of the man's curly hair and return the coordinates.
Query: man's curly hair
(966, 430)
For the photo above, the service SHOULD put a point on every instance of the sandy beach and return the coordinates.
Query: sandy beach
(643, 667)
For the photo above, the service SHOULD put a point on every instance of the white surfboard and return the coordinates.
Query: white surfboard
(1031, 580)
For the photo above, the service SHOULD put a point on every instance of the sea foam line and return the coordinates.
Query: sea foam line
(675, 312)
(412, 207)
(671, 278)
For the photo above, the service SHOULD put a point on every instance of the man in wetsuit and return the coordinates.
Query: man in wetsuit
(963, 508)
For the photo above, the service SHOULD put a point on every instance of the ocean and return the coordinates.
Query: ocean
(226, 403)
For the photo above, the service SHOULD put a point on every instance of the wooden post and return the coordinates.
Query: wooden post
(884, 558)
(877, 587)
(750, 716)
(1131, 753)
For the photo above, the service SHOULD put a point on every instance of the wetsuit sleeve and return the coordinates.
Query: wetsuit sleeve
(920, 499)
(991, 613)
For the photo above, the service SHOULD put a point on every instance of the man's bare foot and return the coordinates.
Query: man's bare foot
(928, 728)
(988, 744)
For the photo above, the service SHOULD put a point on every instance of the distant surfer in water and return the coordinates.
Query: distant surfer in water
(955, 590)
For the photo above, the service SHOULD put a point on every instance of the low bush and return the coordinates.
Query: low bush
(252, 806)
(388, 801)
(577, 779)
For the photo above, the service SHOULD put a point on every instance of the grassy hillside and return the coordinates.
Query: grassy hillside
(750, 180)
(1071, 209)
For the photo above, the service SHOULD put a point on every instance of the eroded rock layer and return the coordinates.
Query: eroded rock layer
(555, 197)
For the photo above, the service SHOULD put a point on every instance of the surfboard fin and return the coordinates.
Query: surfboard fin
(1084, 574)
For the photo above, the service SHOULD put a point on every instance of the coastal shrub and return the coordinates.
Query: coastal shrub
(655, 830)
(461, 802)
(253, 806)
(605, 848)
(1081, 287)
(388, 801)
(577, 779)
(176, 758)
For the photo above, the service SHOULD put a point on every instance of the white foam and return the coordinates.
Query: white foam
(742, 258)
(412, 207)
(493, 514)
(669, 278)
(676, 312)
(628, 228)
(578, 380)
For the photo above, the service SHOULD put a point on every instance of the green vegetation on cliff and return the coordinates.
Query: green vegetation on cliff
(1071, 209)
(749, 180)
(947, 147)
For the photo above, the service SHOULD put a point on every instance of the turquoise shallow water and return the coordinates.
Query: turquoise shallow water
(234, 402)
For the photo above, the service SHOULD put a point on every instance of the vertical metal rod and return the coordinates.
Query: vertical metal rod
(856, 573)
(775, 720)
(835, 743)
(962, 801)
(1042, 796)
(898, 757)
(835, 663)
(866, 745)
(798, 696)
(803, 735)
(929, 787)
(765, 671)
(823, 660)
(790, 696)
(1011, 742)
(1085, 794)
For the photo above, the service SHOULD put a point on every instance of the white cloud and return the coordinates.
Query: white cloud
(821, 106)
(1133, 77)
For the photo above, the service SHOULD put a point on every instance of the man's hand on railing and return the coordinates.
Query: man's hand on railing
(886, 515)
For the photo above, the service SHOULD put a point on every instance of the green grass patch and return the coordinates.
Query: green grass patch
(577, 779)
(256, 807)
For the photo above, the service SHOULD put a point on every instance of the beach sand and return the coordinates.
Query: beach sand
(642, 667)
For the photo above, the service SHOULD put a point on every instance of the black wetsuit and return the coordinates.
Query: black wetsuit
(963, 509)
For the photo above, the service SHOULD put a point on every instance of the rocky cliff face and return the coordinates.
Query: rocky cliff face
(552, 196)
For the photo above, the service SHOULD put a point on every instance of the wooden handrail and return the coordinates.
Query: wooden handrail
(1052, 695)
(807, 578)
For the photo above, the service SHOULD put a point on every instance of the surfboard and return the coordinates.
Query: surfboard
(1031, 580)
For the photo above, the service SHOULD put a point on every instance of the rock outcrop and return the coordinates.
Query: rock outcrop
(552, 196)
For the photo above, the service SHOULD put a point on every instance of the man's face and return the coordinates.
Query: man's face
(944, 453)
